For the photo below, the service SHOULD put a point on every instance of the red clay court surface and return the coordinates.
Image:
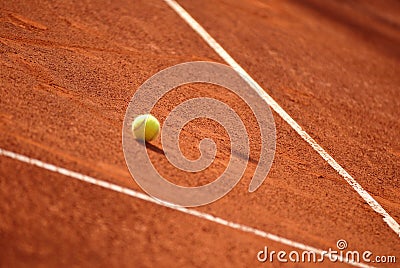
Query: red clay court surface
(69, 70)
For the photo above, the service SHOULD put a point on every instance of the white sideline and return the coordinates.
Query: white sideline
(202, 215)
(285, 116)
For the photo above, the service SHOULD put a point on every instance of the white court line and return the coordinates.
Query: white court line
(285, 116)
(202, 215)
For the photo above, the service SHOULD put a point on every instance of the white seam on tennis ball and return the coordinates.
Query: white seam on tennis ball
(140, 125)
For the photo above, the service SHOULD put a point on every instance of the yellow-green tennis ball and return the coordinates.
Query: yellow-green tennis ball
(146, 127)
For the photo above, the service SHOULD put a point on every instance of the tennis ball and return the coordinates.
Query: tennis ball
(146, 127)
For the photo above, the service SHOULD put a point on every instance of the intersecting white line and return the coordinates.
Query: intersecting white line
(202, 215)
(285, 116)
